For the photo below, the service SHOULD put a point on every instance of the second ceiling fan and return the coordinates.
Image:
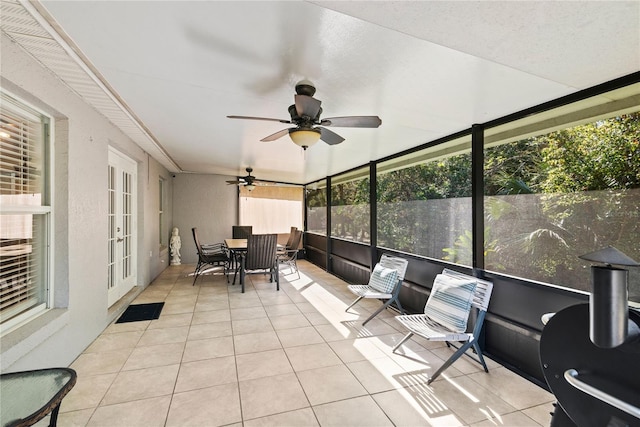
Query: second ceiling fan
(249, 181)
(309, 127)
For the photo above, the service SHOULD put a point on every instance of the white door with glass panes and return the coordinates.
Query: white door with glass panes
(121, 269)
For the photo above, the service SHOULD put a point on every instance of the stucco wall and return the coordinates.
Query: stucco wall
(82, 138)
(207, 203)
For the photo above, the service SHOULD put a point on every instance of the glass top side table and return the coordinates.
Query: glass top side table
(27, 397)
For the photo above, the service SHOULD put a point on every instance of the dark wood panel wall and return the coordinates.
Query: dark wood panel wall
(315, 249)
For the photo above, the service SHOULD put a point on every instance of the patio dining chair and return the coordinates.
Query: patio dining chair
(446, 315)
(292, 235)
(289, 254)
(384, 284)
(260, 257)
(210, 255)
(241, 231)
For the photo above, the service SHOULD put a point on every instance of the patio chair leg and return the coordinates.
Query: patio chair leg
(385, 305)
(353, 303)
(450, 360)
(476, 347)
(196, 273)
(402, 341)
(242, 276)
(236, 264)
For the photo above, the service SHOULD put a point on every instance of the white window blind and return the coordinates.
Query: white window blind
(272, 209)
(24, 211)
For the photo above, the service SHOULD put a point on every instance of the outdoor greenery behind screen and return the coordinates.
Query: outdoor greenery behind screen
(548, 199)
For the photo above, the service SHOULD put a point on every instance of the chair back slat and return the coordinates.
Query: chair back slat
(482, 293)
(241, 231)
(261, 251)
(397, 263)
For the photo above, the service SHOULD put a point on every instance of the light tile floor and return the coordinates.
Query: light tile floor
(218, 357)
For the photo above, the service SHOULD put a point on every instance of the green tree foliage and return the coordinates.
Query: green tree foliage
(317, 197)
(354, 192)
(513, 168)
(604, 155)
(441, 179)
(583, 182)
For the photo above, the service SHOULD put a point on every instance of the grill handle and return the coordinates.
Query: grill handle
(571, 376)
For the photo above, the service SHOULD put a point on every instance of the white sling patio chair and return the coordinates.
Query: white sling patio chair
(446, 314)
(384, 284)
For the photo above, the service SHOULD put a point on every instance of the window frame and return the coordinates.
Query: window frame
(46, 209)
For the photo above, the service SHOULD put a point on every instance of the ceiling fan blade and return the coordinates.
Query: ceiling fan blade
(266, 119)
(330, 137)
(353, 121)
(307, 106)
(235, 182)
(275, 136)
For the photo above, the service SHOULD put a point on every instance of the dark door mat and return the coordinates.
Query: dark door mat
(139, 312)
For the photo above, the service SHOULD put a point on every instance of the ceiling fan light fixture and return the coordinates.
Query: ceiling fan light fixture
(250, 187)
(304, 138)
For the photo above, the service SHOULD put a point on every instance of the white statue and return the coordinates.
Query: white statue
(175, 244)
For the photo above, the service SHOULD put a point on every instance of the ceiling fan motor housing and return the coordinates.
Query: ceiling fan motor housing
(303, 121)
(305, 87)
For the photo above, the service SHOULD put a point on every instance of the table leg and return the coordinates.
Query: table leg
(53, 419)
(236, 266)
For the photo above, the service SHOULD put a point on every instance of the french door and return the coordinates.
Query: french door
(121, 268)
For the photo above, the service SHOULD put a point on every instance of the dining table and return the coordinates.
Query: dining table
(236, 244)
(27, 397)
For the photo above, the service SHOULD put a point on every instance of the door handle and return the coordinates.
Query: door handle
(119, 239)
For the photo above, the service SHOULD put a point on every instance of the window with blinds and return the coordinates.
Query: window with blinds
(24, 210)
(271, 209)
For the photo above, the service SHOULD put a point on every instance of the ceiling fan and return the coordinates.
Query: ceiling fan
(309, 127)
(249, 181)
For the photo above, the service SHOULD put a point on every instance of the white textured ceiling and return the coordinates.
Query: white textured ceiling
(428, 69)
